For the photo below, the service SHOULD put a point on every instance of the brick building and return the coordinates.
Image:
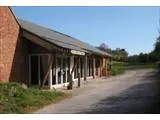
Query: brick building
(36, 55)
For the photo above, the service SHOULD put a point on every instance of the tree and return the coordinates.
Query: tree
(120, 55)
(156, 50)
(133, 59)
(143, 58)
(104, 47)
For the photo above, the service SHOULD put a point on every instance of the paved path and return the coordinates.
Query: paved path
(133, 92)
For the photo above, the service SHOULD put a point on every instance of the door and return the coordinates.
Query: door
(38, 66)
(34, 73)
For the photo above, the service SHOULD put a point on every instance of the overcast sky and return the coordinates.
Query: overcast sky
(132, 28)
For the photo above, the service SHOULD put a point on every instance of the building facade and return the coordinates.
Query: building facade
(40, 56)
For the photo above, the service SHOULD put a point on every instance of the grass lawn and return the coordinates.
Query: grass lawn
(140, 65)
(119, 67)
(16, 99)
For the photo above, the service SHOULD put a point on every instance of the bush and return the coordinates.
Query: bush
(14, 98)
(158, 64)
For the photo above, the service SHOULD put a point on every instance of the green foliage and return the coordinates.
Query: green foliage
(143, 58)
(119, 67)
(156, 50)
(158, 64)
(120, 55)
(15, 99)
(129, 66)
(104, 48)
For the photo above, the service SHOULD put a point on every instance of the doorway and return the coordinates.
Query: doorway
(38, 65)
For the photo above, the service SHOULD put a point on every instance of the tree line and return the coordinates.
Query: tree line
(121, 55)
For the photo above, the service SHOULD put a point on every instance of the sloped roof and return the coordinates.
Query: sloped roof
(60, 39)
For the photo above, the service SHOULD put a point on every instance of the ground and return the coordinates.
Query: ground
(136, 91)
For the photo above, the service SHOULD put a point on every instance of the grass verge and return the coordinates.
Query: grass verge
(117, 69)
(16, 99)
(120, 67)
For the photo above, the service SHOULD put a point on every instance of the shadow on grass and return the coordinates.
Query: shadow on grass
(138, 99)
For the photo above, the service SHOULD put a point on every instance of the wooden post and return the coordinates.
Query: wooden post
(70, 82)
(106, 59)
(79, 74)
(39, 78)
(100, 67)
(94, 68)
(50, 78)
(79, 79)
(70, 75)
(85, 67)
(48, 71)
(29, 83)
(61, 68)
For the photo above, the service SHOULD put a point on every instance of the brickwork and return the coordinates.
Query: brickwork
(9, 34)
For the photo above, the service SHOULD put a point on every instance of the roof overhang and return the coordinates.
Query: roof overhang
(40, 41)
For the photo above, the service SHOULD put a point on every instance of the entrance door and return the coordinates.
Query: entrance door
(38, 68)
(34, 73)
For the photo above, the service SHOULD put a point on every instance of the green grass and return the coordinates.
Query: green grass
(140, 65)
(117, 69)
(120, 67)
(15, 99)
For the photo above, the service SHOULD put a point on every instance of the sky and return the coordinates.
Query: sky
(132, 28)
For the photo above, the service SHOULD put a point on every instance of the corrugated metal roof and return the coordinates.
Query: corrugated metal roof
(59, 39)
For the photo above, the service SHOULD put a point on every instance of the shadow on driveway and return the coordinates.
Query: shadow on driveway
(141, 98)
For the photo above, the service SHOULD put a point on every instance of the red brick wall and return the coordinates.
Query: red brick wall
(9, 34)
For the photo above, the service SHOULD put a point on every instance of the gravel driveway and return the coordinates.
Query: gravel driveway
(136, 91)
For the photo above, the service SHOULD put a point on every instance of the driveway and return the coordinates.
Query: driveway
(136, 91)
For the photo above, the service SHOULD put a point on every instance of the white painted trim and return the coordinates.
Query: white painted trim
(60, 85)
(67, 83)
(71, 66)
(90, 77)
(75, 79)
(61, 69)
(82, 78)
